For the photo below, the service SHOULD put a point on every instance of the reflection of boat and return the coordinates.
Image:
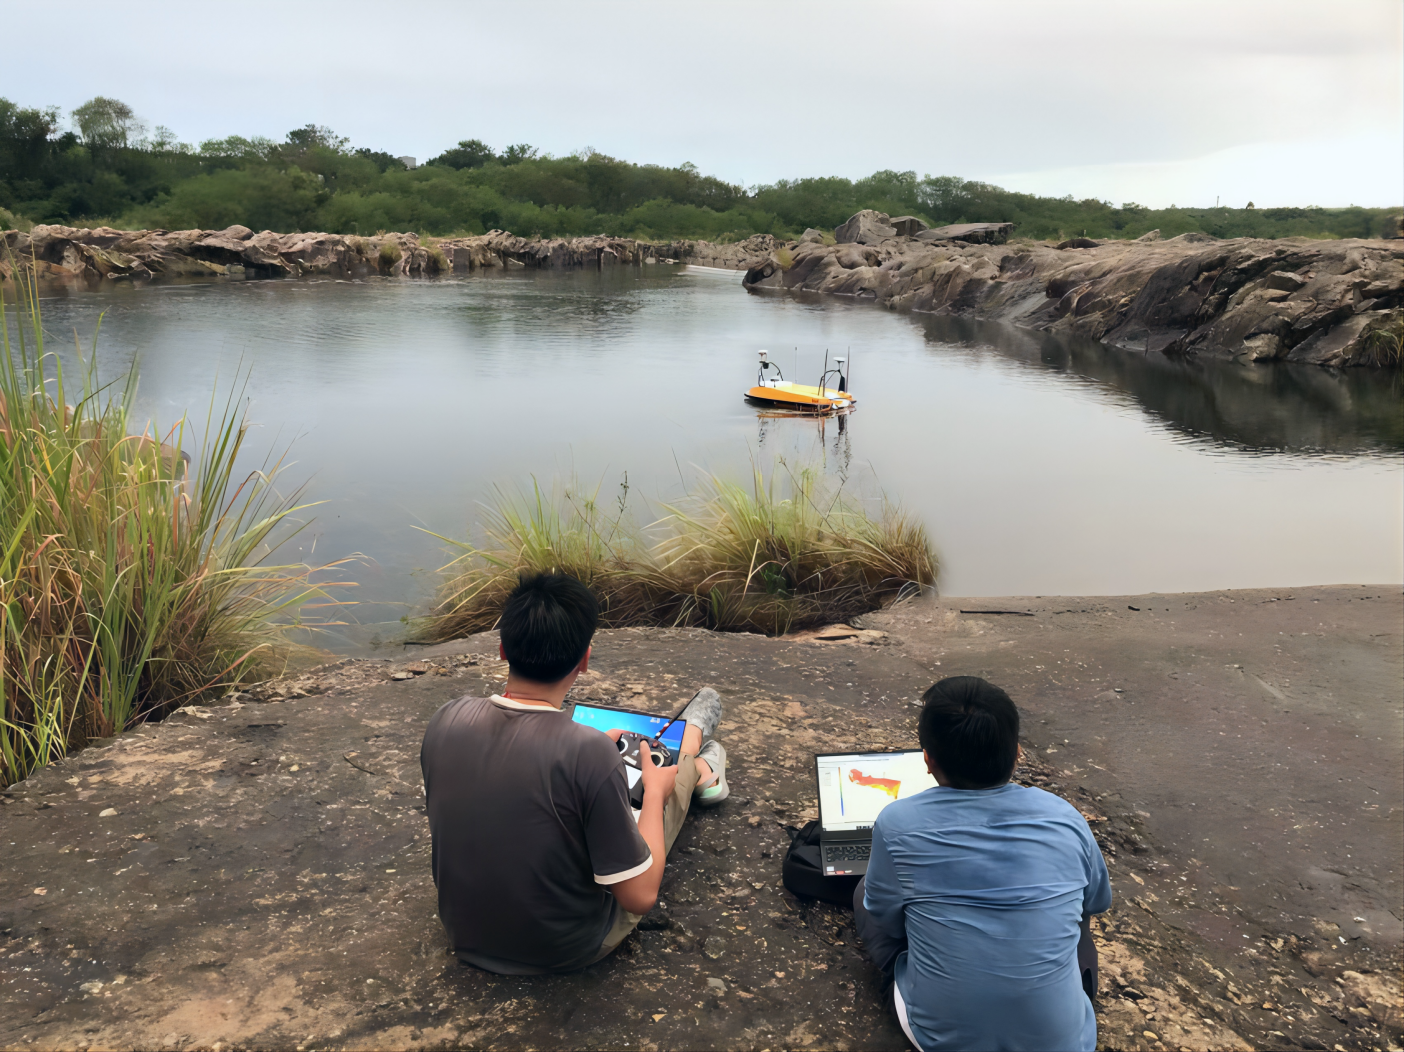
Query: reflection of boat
(779, 393)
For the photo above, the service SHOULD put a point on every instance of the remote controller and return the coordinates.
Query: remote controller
(661, 755)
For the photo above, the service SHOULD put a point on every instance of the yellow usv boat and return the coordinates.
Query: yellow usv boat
(778, 393)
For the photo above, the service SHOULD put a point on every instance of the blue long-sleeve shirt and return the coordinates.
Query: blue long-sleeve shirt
(989, 886)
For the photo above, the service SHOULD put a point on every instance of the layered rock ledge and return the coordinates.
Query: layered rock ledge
(1245, 299)
(102, 253)
(1322, 302)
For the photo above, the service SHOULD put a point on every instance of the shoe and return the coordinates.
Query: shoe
(718, 790)
(704, 712)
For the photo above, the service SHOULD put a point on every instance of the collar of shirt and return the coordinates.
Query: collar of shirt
(521, 706)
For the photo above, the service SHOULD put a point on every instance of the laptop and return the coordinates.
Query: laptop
(853, 788)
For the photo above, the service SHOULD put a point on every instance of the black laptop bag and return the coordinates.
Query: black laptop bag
(803, 871)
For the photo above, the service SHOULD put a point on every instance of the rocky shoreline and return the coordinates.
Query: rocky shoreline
(1248, 300)
(105, 254)
(1318, 302)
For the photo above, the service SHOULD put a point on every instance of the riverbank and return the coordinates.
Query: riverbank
(103, 254)
(1332, 303)
(256, 872)
(1335, 303)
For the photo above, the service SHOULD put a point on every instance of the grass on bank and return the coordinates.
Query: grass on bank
(780, 554)
(130, 582)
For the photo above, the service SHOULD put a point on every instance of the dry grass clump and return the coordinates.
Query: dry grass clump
(1385, 345)
(130, 581)
(777, 555)
(389, 255)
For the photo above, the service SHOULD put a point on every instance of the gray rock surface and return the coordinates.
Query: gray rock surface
(70, 253)
(908, 226)
(974, 233)
(255, 874)
(1249, 300)
(865, 228)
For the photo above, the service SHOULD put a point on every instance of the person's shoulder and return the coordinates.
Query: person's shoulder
(457, 709)
(591, 748)
(903, 814)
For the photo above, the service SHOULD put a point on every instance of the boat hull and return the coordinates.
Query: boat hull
(800, 399)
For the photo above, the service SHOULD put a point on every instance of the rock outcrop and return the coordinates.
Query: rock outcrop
(1245, 299)
(62, 252)
(1250, 300)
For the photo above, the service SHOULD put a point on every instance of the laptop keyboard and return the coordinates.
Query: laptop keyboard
(847, 852)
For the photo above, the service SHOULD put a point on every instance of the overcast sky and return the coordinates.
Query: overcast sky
(1181, 102)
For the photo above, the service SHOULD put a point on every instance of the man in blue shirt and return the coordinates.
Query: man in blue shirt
(979, 891)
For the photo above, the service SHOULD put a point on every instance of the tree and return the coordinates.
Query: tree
(311, 135)
(470, 153)
(104, 122)
(517, 153)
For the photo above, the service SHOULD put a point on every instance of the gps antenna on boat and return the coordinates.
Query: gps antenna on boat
(824, 376)
(766, 363)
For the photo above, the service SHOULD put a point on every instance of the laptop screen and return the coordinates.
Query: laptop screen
(854, 787)
(606, 719)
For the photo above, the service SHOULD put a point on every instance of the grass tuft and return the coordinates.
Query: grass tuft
(780, 554)
(1384, 346)
(131, 577)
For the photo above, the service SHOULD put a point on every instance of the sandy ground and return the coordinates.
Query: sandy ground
(255, 874)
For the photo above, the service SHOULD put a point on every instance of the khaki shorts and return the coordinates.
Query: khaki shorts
(674, 813)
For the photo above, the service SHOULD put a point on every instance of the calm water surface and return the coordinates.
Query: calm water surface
(1041, 466)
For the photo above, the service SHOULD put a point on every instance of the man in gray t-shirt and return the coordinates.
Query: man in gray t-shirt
(540, 862)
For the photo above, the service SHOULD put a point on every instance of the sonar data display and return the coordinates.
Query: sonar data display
(853, 788)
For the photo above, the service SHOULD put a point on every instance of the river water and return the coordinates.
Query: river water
(1041, 466)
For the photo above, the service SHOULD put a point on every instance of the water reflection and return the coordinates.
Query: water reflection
(1271, 408)
(1039, 465)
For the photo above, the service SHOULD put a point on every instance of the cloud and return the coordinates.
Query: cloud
(1306, 172)
(756, 91)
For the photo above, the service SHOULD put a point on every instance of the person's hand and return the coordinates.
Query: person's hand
(656, 780)
(614, 735)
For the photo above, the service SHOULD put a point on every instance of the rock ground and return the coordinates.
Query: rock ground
(99, 254)
(1249, 300)
(255, 873)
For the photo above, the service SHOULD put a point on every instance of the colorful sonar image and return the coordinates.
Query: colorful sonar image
(890, 786)
(854, 787)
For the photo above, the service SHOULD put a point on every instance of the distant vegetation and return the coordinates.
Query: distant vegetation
(105, 167)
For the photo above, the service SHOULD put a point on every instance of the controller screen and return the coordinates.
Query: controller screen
(638, 722)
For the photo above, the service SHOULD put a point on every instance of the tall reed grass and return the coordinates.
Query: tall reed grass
(783, 553)
(131, 582)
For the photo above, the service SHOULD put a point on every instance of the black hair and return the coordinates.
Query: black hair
(970, 728)
(546, 626)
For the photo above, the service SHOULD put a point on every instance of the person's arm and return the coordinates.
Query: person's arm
(883, 897)
(639, 894)
(1097, 897)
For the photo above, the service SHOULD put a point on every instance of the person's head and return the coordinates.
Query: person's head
(970, 731)
(546, 626)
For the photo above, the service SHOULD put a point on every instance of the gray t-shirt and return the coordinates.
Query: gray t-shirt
(530, 818)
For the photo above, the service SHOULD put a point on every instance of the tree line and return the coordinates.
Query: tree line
(104, 166)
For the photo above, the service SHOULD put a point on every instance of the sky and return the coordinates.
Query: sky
(1185, 102)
